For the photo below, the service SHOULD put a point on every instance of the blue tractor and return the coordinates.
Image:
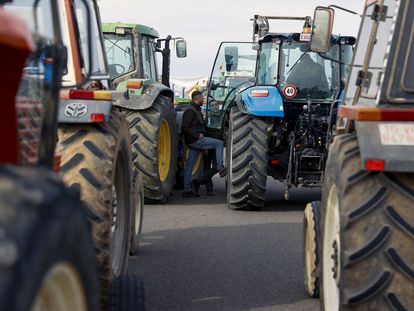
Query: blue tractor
(272, 101)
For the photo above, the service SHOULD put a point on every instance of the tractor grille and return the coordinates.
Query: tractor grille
(29, 107)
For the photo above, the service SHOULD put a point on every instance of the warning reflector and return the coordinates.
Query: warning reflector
(290, 91)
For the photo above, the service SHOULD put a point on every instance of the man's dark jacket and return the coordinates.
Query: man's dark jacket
(193, 123)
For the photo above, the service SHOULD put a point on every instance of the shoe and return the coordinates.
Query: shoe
(223, 171)
(196, 187)
(210, 193)
(187, 194)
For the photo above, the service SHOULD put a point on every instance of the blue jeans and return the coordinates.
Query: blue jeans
(193, 152)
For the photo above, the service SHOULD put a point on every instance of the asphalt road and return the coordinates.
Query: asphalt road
(196, 254)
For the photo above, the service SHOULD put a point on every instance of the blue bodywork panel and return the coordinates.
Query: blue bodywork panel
(269, 106)
(341, 97)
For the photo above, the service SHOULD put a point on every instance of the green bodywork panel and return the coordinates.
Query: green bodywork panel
(136, 28)
(181, 100)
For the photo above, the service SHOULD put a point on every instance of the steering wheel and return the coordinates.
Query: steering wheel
(114, 69)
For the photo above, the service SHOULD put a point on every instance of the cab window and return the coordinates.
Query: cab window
(119, 53)
(148, 58)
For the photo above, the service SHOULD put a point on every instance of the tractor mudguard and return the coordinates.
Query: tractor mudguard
(387, 141)
(83, 111)
(261, 101)
(141, 95)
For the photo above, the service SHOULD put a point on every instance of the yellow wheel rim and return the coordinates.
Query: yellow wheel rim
(164, 151)
(196, 164)
(61, 290)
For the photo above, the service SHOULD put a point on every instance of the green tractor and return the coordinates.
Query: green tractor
(147, 102)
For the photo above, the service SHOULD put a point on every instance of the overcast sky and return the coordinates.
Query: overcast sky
(204, 24)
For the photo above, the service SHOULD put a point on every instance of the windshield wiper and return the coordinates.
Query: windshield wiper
(333, 60)
(303, 54)
(114, 43)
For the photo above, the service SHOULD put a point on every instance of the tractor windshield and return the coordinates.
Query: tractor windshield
(98, 61)
(312, 75)
(268, 64)
(25, 10)
(291, 64)
(40, 22)
(347, 51)
(119, 52)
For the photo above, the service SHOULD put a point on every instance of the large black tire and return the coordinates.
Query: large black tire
(373, 259)
(128, 294)
(246, 161)
(96, 159)
(137, 213)
(311, 238)
(44, 231)
(144, 126)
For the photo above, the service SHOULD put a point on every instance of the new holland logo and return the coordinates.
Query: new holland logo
(75, 110)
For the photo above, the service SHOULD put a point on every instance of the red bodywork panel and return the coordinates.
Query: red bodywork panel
(15, 46)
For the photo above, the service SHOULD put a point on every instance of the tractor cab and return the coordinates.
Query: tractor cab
(285, 61)
(147, 100)
(279, 70)
(131, 52)
(34, 62)
(378, 100)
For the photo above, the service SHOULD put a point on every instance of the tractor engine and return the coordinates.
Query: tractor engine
(298, 146)
(309, 145)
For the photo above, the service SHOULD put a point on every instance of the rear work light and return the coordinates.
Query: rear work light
(57, 162)
(97, 117)
(80, 94)
(91, 95)
(374, 165)
(134, 85)
(120, 31)
(259, 93)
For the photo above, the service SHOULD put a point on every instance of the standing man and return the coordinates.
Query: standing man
(194, 130)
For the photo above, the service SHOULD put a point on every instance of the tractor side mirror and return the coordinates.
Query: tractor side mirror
(181, 48)
(231, 55)
(322, 29)
(214, 86)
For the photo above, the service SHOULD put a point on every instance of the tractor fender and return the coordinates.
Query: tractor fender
(269, 104)
(142, 98)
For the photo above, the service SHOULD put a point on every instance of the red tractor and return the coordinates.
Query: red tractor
(47, 257)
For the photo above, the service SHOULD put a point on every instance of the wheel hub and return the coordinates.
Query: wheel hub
(61, 290)
(114, 210)
(334, 257)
